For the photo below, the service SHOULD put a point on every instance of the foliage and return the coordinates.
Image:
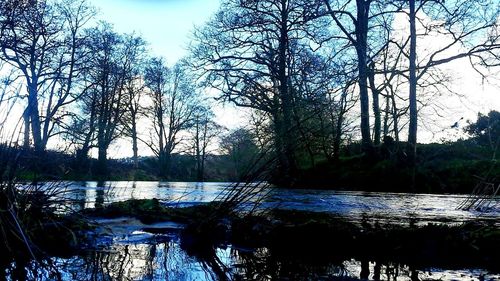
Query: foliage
(441, 168)
(240, 147)
(486, 130)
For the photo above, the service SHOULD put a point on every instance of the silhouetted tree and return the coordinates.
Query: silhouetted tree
(173, 102)
(462, 29)
(44, 41)
(113, 66)
(355, 21)
(135, 94)
(204, 133)
(247, 52)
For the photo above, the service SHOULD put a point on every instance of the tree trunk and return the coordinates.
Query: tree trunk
(167, 165)
(164, 160)
(36, 130)
(199, 172)
(361, 50)
(336, 147)
(412, 128)
(202, 168)
(101, 169)
(161, 161)
(338, 137)
(26, 119)
(376, 107)
(395, 126)
(285, 126)
(284, 166)
(386, 116)
(135, 148)
(102, 160)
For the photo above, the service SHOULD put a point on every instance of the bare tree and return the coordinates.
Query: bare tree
(43, 40)
(173, 102)
(134, 93)
(472, 30)
(412, 129)
(247, 52)
(114, 64)
(466, 30)
(353, 18)
(204, 133)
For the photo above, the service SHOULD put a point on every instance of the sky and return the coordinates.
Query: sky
(466, 93)
(165, 24)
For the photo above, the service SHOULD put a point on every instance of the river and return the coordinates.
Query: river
(128, 252)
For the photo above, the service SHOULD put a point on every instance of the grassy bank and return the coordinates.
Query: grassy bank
(440, 168)
(32, 229)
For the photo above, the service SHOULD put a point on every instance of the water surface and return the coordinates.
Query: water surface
(397, 207)
(125, 250)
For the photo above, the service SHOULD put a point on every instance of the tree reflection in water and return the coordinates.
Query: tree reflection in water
(168, 261)
(162, 261)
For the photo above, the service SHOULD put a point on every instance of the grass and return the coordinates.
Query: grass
(441, 168)
(31, 225)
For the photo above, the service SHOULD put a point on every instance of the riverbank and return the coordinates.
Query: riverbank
(451, 168)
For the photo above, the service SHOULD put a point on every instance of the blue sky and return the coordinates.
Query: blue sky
(165, 24)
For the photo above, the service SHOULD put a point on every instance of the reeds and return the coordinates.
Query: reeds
(484, 196)
(36, 221)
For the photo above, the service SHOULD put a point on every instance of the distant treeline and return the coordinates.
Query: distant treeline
(61, 166)
(237, 156)
(451, 167)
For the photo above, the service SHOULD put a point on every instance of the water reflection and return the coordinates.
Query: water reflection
(162, 261)
(168, 260)
(139, 255)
